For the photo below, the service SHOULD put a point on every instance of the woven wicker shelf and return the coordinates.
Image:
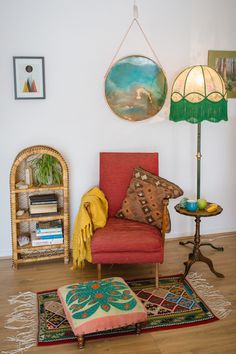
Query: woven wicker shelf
(28, 217)
(26, 223)
(33, 189)
(42, 258)
(33, 248)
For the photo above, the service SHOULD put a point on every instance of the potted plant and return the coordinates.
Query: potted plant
(46, 170)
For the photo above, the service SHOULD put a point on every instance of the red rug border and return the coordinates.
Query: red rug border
(184, 325)
(66, 341)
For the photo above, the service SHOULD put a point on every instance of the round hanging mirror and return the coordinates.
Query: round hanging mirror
(135, 88)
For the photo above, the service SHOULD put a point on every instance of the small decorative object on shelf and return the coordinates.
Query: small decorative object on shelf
(40, 207)
(21, 185)
(23, 240)
(28, 176)
(20, 212)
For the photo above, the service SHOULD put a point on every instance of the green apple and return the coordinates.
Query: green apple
(202, 203)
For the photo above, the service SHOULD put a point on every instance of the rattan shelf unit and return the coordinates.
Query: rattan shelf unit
(26, 223)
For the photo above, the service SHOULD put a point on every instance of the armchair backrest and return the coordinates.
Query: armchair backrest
(116, 170)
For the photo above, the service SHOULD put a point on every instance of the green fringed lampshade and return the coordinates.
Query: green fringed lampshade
(198, 94)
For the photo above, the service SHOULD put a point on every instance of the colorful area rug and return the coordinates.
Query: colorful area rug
(176, 303)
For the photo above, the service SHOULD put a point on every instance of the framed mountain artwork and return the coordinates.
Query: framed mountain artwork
(29, 77)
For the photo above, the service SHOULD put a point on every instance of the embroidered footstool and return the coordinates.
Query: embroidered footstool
(101, 305)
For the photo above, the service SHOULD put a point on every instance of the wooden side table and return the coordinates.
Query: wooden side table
(196, 255)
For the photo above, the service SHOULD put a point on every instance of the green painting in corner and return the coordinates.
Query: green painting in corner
(224, 62)
(135, 88)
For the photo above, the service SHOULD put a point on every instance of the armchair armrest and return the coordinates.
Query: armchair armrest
(164, 219)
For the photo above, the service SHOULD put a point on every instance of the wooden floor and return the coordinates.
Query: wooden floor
(218, 337)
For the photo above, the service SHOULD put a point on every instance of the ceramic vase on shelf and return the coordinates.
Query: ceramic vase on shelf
(28, 176)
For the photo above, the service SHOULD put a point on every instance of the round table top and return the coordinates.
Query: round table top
(200, 213)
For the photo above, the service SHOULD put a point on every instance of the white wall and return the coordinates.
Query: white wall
(78, 40)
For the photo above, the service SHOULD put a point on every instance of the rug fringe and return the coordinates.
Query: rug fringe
(213, 298)
(24, 316)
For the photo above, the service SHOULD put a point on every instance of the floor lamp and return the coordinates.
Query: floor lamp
(198, 94)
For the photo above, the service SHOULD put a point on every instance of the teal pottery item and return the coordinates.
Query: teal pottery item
(191, 205)
(183, 202)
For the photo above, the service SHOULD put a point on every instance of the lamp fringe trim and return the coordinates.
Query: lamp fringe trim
(213, 298)
(23, 320)
(196, 112)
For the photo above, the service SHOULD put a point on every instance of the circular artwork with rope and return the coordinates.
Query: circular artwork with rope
(135, 88)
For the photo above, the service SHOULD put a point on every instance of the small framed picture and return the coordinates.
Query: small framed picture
(29, 77)
(224, 62)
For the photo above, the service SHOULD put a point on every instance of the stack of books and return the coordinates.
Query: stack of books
(43, 204)
(47, 233)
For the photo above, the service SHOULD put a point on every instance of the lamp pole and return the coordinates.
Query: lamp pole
(198, 156)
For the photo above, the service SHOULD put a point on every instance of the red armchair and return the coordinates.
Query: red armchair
(124, 241)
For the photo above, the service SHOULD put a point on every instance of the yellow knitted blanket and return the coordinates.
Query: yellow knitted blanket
(92, 215)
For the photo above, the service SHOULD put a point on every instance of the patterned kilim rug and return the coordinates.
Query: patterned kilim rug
(176, 303)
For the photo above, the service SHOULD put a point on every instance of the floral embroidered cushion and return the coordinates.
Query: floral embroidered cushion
(144, 198)
(100, 305)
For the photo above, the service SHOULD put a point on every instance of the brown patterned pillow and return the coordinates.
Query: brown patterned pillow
(144, 198)
(171, 189)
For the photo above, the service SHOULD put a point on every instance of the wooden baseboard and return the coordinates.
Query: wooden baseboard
(211, 236)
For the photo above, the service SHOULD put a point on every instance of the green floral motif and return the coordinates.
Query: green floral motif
(85, 299)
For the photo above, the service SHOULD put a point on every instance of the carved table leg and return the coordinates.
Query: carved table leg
(80, 341)
(189, 263)
(196, 255)
(183, 243)
(208, 261)
(218, 248)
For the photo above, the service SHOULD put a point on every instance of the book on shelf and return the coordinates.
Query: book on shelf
(48, 236)
(36, 241)
(42, 225)
(44, 202)
(48, 232)
(43, 198)
(37, 215)
(49, 227)
(43, 208)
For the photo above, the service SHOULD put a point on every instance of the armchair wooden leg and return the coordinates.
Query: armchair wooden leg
(157, 275)
(99, 270)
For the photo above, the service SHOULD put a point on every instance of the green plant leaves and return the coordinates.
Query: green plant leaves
(47, 170)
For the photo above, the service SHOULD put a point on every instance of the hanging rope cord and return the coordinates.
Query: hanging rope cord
(135, 20)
